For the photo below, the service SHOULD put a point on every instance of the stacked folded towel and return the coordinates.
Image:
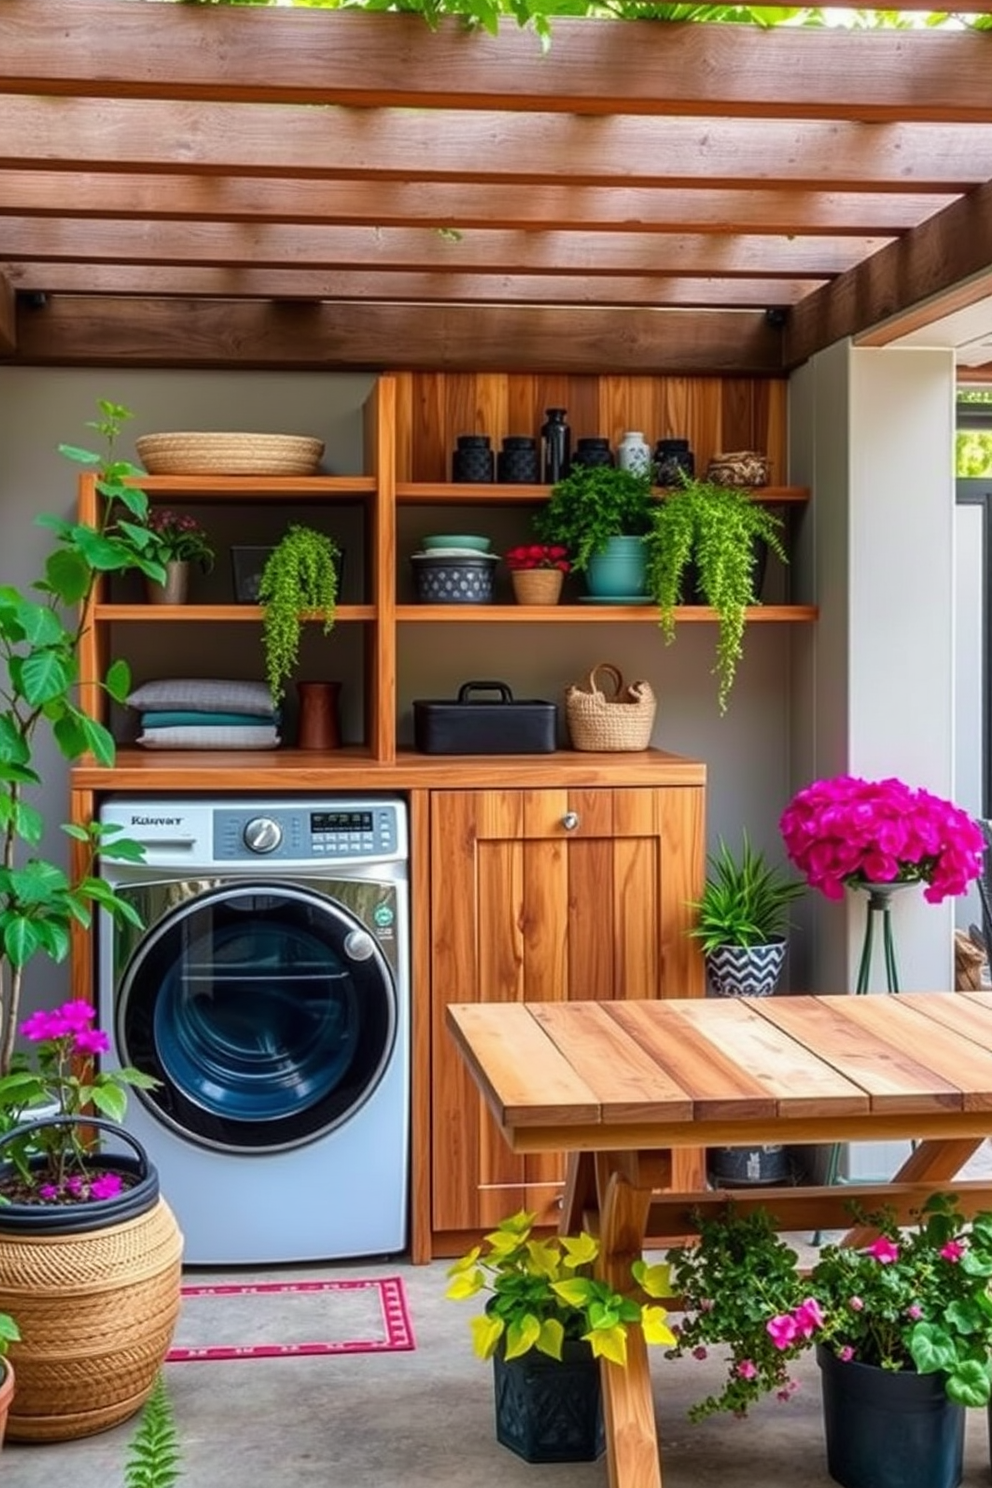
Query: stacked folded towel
(205, 713)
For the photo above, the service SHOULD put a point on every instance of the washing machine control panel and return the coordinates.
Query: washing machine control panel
(304, 832)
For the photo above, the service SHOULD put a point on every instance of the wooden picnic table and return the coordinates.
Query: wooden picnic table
(618, 1085)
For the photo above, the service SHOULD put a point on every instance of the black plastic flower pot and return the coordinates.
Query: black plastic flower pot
(889, 1429)
(550, 1411)
(139, 1193)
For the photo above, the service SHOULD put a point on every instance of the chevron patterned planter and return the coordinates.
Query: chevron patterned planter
(745, 971)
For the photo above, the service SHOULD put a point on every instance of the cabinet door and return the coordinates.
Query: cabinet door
(547, 895)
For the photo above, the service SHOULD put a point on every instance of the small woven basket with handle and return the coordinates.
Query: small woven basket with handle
(621, 721)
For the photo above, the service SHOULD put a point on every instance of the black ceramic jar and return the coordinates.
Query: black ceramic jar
(518, 463)
(593, 451)
(472, 462)
(672, 459)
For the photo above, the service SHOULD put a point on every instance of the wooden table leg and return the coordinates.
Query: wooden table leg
(579, 1193)
(633, 1459)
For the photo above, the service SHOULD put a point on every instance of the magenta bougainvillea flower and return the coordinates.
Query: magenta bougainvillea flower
(848, 831)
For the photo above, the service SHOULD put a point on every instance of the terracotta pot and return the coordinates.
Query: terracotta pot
(319, 727)
(537, 586)
(6, 1393)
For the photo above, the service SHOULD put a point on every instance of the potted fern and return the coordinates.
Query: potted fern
(601, 515)
(715, 536)
(546, 1324)
(300, 577)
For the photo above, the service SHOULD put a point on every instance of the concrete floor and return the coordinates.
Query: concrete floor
(409, 1420)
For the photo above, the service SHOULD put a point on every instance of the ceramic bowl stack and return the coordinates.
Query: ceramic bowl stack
(454, 568)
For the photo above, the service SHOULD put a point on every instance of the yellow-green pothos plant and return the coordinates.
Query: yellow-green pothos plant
(542, 1292)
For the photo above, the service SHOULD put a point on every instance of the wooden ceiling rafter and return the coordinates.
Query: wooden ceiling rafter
(165, 164)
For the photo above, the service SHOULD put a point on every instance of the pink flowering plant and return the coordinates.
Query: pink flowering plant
(177, 537)
(539, 555)
(849, 831)
(53, 1163)
(916, 1298)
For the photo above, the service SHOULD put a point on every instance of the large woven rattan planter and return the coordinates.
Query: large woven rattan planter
(96, 1308)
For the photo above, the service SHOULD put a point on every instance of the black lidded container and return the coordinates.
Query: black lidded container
(487, 725)
(672, 459)
(473, 461)
(593, 451)
(556, 447)
(518, 462)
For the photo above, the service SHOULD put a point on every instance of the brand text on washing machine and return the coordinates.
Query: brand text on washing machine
(155, 821)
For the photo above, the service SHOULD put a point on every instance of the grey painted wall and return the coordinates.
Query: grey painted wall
(746, 752)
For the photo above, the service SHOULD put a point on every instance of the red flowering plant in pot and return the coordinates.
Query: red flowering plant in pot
(537, 572)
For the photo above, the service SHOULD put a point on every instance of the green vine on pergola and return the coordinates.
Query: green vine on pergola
(487, 14)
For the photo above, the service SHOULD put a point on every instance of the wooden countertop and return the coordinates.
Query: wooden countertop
(352, 768)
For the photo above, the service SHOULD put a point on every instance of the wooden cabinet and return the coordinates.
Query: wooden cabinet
(544, 895)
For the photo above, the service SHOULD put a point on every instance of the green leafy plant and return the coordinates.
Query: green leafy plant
(542, 1291)
(592, 505)
(41, 627)
(178, 537)
(154, 1456)
(300, 575)
(745, 901)
(9, 1332)
(915, 1299)
(711, 531)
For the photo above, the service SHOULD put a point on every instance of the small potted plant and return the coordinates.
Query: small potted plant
(537, 572)
(902, 1330)
(713, 537)
(601, 515)
(741, 921)
(177, 541)
(546, 1324)
(300, 577)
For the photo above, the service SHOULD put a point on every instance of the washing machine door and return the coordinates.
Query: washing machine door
(267, 1012)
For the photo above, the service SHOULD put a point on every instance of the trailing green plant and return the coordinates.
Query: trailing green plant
(712, 531)
(745, 900)
(41, 627)
(593, 504)
(915, 1299)
(300, 576)
(542, 1292)
(154, 1456)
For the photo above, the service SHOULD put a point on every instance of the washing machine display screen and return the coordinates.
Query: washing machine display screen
(340, 821)
(260, 1026)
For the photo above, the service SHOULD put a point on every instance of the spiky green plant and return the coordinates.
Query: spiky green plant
(300, 576)
(154, 1456)
(716, 528)
(745, 901)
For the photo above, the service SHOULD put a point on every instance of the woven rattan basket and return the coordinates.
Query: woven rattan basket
(229, 454)
(96, 1312)
(623, 721)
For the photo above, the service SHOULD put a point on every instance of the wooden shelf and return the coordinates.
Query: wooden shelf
(582, 614)
(152, 614)
(485, 493)
(221, 488)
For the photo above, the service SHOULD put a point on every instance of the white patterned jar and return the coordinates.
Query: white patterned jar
(634, 453)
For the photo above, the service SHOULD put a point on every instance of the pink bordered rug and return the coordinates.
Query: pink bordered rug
(291, 1319)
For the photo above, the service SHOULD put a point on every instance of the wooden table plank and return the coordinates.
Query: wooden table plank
(629, 1084)
(720, 1089)
(970, 1016)
(943, 1041)
(799, 1080)
(524, 1078)
(867, 1040)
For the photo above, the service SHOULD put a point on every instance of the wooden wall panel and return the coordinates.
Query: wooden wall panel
(713, 413)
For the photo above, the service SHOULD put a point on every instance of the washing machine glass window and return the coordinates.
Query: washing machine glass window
(267, 1012)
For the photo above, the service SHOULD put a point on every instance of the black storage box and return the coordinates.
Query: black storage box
(470, 725)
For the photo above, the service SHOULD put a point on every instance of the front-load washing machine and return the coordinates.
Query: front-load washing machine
(268, 993)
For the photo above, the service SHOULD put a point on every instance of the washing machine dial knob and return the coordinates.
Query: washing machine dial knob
(359, 945)
(262, 834)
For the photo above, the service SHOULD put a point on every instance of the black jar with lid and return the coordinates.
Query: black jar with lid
(593, 451)
(517, 463)
(672, 459)
(472, 461)
(556, 446)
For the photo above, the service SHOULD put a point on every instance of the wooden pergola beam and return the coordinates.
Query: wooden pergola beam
(139, 196)
(154, 281)
(340, 144)
(921, 273)
(116, 49)
(101, 331)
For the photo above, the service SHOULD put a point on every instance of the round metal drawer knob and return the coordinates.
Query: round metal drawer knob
(570, 821)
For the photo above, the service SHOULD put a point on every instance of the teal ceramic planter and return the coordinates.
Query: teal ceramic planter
(619, 572)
